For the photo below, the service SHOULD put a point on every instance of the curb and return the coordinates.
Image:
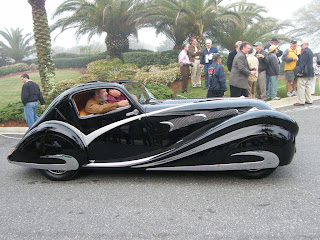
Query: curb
(288, 101)
(284, 102)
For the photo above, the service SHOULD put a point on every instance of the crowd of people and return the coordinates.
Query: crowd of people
(254, 70)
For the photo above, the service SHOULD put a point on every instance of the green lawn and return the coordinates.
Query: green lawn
(10, 87)
(202, 93)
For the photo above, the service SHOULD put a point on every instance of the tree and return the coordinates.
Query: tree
(18, 45)
(251, 26)
(115, 18)
(307, 21)
(181, 19)
(43, 45)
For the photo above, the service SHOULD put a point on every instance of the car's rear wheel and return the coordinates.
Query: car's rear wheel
(58, 175)
(255, 174)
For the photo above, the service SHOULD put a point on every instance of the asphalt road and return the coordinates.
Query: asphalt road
(138, 205)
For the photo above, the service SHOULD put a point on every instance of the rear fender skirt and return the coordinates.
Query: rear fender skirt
(70, 163)
(270, 160)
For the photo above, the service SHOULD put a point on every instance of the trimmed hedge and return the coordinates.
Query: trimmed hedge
(15, 68)
(79, 62)
(151, 58)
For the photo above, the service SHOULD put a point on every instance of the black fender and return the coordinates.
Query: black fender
(229, 142)
(52, 145)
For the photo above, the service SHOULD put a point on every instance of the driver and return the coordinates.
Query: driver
(98, 103)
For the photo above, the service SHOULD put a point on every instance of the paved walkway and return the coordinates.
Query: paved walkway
(284, 102)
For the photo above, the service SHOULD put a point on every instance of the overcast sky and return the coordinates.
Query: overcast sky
(17, 13)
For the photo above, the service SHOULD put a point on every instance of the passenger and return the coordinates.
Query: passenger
(98, 103)
(115, 95)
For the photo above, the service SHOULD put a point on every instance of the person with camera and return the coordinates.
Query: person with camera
(184, 67)
(206, 59)
(194, 55)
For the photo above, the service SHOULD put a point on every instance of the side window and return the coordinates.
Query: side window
(80, 100)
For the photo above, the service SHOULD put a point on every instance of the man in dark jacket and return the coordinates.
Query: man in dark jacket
(232, 54)
(240, 72)
(30, 95)
(273, 41)
(217, 78)
(305, 72)
(263, 63)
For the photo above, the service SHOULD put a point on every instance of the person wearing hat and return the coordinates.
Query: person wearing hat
(263, 63)
(290, 58)
(273, 70)
(232, 54)
(273, 41)
(217, 78)
(305, 72)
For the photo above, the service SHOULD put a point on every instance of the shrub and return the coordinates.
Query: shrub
(160, 91)
(104, 70)
(16, 112)
(19, 67)
(158, 74)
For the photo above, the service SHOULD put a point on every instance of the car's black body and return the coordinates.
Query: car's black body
(243, 135)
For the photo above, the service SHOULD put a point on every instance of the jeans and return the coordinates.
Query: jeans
(30, 113)
(273, 87)
(206, 66)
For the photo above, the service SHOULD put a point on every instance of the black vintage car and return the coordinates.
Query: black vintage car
(242, 135)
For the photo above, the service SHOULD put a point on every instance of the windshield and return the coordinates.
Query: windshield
(138, 90)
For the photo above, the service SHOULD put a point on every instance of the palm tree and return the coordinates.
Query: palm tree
(18, 46)
(113, 17)
(251, 27)
(182, 19)
(43, 45)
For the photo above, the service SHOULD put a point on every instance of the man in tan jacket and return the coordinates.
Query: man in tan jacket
(194, 56)
(98, 105)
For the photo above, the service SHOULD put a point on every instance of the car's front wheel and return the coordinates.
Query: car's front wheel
(255, 174)
(58, 175)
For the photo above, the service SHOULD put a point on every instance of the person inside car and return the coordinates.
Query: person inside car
(98, 103)
(115, 95)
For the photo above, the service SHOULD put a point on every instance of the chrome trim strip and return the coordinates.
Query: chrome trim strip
(171, 125)
(70, 163)
(90, 137)
(130, 163)
(241, 133)
(271, 160)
